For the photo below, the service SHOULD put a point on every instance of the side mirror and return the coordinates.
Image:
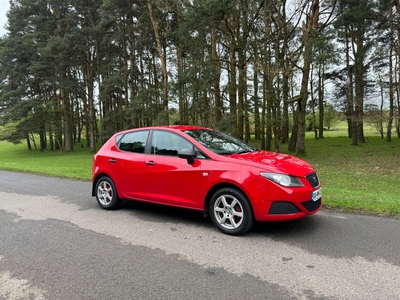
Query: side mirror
(187, 154)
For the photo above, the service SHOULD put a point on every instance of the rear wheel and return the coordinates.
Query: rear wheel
(106, 193)
(231, 212)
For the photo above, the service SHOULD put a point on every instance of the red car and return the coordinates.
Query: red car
(207, 170)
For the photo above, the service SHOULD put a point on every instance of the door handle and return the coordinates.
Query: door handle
(150, 163)
(112, 160)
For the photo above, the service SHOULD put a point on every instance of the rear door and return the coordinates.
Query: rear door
(128, 166)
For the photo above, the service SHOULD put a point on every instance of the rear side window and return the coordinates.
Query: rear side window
(134, 141)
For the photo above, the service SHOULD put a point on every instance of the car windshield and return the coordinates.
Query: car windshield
(220, 143)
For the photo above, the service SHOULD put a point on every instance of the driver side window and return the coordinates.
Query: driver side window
(167, 143)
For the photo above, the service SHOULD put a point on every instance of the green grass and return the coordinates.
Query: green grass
(76, 164)
(363, 179)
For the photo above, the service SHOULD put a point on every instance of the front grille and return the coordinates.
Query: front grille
(283, 208)
(313, 180)
(311, 205)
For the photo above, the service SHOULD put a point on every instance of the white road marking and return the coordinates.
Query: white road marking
(331, 215)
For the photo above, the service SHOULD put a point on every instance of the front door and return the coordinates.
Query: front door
(170, 179)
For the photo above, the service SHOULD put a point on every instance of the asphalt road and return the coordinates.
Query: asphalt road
(57, 243)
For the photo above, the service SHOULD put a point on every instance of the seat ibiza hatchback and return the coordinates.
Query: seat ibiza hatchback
(207, 170)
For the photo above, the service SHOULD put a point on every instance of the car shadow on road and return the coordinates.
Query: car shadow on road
(161, 213)
(277, 230)
(302, 227)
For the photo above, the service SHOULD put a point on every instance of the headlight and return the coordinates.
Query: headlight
(282, 179)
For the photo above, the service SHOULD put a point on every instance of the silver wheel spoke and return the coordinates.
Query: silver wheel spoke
(233, 204)
(219, 209)
(238, 214)
(223, 200)
(233, 223)
(222, 220)
(107, 199)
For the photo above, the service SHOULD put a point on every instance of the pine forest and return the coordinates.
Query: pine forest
(73, 70)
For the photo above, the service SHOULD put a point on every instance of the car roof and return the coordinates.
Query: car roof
(173, 127)
(181, 127)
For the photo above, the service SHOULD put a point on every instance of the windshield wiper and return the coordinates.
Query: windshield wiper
(226, 153)
(245, 151)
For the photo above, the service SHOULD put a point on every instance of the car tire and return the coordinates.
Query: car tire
(231, 212)
(106, 194)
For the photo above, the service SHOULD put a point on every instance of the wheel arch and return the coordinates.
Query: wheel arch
(95, 179)
(218, 186)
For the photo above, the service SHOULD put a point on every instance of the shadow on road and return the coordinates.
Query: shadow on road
(165, 214)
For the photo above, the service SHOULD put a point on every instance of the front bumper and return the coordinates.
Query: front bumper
(272, 202)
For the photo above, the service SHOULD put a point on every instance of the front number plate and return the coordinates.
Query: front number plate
(316, 195)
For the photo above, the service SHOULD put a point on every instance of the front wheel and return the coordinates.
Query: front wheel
(231, 212)
(106, 193)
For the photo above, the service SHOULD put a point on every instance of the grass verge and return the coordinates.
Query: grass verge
(362, 178)
(75, 165)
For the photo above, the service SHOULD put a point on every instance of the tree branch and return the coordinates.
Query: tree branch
(397, 5)
(294, 99)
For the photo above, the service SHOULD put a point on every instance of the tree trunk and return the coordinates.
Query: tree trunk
(257, 123)
(232, 88)
(241, 93)
(182, 111)
(397, 119)
(321, 83)
(268, 117)
(301, 107)
(359, 69)
(391, 92)
(242, 38)
(285, 78)
(262, 129)
(293, 139)
(28, 142)
(90, 97)
(219, 109)
(380, 123)
(163, 59)
(68, 145)
(314, 125)
(285, 113)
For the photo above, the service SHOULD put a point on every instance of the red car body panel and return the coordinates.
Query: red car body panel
(181, 187)
(170, 180)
